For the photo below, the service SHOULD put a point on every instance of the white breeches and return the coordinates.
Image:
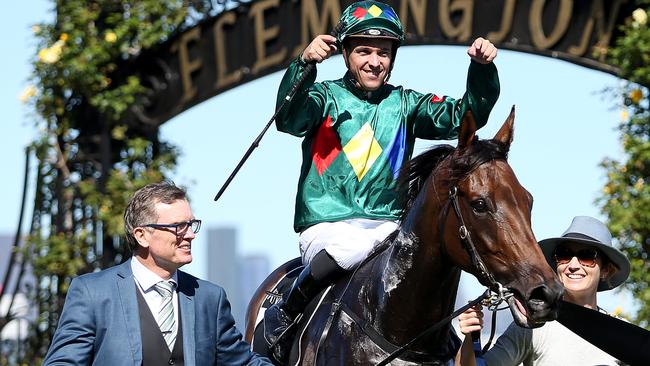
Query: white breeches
(349, 242)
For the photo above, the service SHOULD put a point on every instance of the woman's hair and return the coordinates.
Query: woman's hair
(606, 267)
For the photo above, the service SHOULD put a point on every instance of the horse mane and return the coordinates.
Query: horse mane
(417, 170)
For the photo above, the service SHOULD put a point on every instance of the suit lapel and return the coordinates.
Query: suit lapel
(186, 302)
(127, 296)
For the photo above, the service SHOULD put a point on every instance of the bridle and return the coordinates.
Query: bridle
(484, 273)
(491, 298)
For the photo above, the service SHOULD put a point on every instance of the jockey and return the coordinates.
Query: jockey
(358, 131)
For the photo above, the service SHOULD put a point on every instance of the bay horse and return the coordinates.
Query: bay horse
(464, 210)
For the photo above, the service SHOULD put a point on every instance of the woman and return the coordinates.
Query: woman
(586, 263)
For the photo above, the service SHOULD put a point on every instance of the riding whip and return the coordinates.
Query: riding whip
(308, 69)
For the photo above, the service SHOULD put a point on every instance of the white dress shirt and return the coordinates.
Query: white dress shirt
(145, 280)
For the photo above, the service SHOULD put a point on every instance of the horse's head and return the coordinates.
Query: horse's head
(484, 220)
(496, 211)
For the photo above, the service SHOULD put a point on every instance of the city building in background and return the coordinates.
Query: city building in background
(239, 275)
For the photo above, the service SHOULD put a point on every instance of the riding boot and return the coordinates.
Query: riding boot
(281, 319)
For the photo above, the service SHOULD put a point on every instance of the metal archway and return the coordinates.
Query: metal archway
(253, 39)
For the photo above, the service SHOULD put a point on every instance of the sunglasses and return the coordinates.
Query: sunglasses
(586, 257)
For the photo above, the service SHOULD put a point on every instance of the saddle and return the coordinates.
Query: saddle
(259, 342)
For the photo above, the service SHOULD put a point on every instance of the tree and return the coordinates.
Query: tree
(626, 195)
(92, 152)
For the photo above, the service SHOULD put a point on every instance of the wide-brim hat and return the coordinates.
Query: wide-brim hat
(590, 231)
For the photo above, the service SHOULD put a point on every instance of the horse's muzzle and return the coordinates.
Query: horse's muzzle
(540, 306)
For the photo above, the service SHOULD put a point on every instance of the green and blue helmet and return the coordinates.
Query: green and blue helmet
(371, 19)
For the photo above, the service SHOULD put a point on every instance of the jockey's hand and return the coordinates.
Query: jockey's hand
(482, 51)
(471, 320)
(321, 48)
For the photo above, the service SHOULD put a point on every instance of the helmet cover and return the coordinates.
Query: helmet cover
(371, 19)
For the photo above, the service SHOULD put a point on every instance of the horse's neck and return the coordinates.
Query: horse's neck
(418, 285)
(413, 271)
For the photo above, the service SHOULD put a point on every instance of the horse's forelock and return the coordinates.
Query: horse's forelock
(480, 152)
(417, 170)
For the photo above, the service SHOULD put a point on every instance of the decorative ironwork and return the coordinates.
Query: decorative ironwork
(242, 41)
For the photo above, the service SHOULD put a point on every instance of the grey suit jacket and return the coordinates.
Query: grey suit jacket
(100, 324)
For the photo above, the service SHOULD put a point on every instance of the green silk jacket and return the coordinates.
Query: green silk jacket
(355, 142)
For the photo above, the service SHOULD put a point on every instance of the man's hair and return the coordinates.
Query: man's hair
(141, 209)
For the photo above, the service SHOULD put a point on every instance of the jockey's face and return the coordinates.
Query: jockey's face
(369, 59)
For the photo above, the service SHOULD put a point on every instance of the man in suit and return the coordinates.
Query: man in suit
(146, 311)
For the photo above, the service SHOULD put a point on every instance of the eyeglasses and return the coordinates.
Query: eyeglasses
(180, 227)
(586, 257)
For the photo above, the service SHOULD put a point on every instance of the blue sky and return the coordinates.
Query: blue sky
(565, 126)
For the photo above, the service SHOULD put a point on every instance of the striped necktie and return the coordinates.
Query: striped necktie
(165, 318)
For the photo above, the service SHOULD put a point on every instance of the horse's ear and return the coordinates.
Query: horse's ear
(467, 130)
(506, 132)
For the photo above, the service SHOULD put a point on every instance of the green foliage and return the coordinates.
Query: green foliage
(626, 195)
(62, 255)
(127, 176)
(86, 45)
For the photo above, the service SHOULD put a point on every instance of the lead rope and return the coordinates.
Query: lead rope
(489, 298)
(434, 327)
(492, 304)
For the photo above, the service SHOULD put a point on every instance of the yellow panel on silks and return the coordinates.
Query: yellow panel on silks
(374, 11)
(362, 150)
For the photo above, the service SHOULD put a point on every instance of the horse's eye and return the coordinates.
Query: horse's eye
(479, 205)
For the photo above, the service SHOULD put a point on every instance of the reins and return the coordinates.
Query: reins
(500, 293)
(432, 329)
(489, 299)
(495, 295)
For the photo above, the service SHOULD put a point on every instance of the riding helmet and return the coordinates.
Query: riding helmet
(371, 19)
